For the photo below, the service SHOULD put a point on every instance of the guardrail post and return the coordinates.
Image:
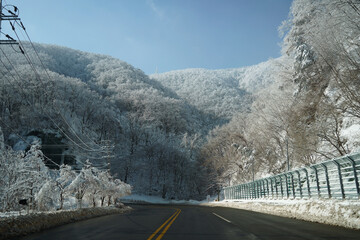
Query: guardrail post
(258, 189)
(340, 179)
(292, 184)
(281, 187)
(267, 188)
(317, 180)
(299, 183)
(355, 175)
(307, 182)
(252, 187)
(264, 188)
(327, 179)
(287, 185)
(244, 190)
(237, 192)
(276, 188)
(247, 191)
(272, 187)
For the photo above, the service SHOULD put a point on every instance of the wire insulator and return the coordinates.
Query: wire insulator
(12, 26)
(22, 51)
(22, 25)
(7, 35)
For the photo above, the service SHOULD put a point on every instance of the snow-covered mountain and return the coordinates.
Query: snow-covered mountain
(80, 104)
(223, 92)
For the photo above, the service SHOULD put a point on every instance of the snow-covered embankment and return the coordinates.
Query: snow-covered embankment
(334, 212)
(22, 225)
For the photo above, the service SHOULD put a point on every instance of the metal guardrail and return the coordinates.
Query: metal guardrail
(337, 178)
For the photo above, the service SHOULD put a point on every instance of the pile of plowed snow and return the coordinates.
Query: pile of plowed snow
(334, 212)
(35, 222)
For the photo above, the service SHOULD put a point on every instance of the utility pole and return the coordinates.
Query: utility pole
(0, 15)
(12, 17)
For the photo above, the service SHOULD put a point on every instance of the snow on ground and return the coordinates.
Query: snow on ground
(13, 226)
(334, 212)
(134, 198)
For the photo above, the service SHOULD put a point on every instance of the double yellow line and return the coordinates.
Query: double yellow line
(166, 225)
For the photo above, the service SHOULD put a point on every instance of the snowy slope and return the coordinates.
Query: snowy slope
(222, 92)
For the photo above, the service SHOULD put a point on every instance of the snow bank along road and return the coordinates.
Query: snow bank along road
(194, 222)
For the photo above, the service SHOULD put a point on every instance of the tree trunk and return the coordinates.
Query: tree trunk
(109, 200)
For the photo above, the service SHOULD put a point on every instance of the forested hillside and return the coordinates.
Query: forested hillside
(86, 106)
(222, 92)
(311, 112)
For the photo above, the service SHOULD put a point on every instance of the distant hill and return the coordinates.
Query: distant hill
(223, 92)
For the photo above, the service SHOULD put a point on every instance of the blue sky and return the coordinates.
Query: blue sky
(161, 34)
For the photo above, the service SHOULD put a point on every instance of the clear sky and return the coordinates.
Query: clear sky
(161, 34)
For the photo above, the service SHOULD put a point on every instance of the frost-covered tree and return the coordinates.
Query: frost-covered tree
(23, 175)
(35, 173)
(83, 183)
(11, 185)
(323, 40)
(2, 144)
(55, 191)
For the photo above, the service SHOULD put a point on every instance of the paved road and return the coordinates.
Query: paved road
(193, 222)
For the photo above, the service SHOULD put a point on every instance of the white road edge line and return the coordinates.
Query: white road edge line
(221, 217)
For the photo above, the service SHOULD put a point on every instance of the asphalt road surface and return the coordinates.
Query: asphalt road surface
(155, 222)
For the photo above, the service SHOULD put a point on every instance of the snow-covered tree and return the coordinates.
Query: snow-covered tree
(2, 144)
(11, 186)
(35, 173)
(55, 191)
(84, 183)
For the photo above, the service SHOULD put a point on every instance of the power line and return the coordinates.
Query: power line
(51, 80)
(87, 148)
(6, 125)
(14, 17)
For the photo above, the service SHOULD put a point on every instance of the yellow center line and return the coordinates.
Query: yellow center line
(167, 227)
(157, 230)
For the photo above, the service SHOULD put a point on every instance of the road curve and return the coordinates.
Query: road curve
(155, 222)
